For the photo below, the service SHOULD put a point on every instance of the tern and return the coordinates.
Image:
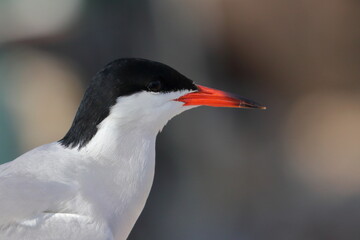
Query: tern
(94, 182)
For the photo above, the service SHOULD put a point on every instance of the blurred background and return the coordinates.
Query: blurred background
(290, 172)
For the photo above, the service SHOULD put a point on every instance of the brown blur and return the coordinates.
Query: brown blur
(290, 172)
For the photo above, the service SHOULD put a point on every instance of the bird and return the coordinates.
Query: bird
(94, 182)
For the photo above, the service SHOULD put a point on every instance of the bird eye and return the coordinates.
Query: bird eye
(154, 86)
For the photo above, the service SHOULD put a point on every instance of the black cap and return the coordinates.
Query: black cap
(121, 77)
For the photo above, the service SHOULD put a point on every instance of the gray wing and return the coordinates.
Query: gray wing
(30, 184)
(57, 226)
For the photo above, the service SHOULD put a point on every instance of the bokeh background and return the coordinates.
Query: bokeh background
(290, 172)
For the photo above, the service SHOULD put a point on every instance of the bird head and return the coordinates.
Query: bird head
(138, 93)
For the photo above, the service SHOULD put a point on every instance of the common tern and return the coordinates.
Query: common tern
(93, 183)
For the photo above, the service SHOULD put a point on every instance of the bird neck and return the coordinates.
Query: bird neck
(115, 140)
(125, 157)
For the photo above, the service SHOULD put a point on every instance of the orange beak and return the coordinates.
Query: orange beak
(215, 98)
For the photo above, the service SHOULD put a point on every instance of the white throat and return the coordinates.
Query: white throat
(132, 120)
(123, 150)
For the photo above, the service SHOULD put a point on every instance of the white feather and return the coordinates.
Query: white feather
(97, 192)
